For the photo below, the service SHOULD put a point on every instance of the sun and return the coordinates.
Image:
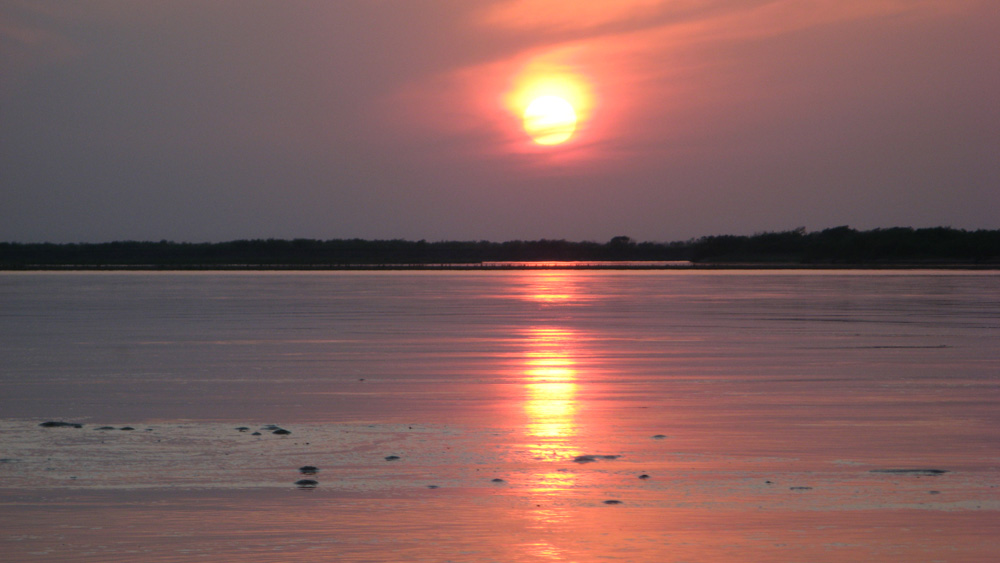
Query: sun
(552, 103)
(549, 120)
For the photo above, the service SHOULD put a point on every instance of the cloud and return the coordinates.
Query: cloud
(567, 14)
(650, 58)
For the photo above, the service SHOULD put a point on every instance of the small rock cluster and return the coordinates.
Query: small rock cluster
(307, 483)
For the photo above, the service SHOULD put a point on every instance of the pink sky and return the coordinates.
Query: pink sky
(224, 119)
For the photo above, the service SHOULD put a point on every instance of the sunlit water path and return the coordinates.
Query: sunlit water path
(526, 416)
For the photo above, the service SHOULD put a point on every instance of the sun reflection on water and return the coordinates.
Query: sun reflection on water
(550, 384)
(545, 551)
(550, 287)
(550, 376)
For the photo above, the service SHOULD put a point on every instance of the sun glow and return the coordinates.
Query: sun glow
(552, 102)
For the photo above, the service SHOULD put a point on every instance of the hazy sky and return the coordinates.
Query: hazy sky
(210, 120)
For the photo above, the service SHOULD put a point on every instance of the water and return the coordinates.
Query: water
(764, 407)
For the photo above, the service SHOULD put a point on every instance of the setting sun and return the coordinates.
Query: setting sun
(549, 120)
(552, 100)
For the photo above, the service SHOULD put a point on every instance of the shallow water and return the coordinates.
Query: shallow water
(761, 405)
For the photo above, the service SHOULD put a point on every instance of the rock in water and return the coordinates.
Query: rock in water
(911, 471)
(281, 432)
(60, 424)
(308, 470)
(306, 483)
(590, 458)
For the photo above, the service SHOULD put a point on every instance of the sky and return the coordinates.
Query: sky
(216, 120)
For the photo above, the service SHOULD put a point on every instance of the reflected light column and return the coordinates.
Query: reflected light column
(550, 408)
(550, 383)
(551, 405)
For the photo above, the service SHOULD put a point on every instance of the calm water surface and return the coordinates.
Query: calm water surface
(778, 416)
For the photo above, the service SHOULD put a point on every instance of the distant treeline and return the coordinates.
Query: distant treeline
(836, 246)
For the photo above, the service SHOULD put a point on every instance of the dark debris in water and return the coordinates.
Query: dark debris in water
(590, 458)
(60, 424)
(612, 501)
(308, 470)
(911, 471)
(306, 483)
(391, 457)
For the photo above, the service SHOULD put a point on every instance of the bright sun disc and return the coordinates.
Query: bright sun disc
(549, 120)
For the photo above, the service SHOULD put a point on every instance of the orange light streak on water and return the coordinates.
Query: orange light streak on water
(549, 286)
(550, 393)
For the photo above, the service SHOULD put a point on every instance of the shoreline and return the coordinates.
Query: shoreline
(514, 266)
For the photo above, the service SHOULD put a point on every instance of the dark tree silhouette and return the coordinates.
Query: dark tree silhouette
(836, 246)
